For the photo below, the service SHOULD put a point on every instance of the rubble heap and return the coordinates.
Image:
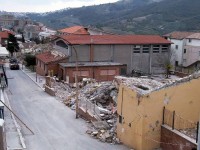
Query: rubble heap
(141, 85)
(101, 94)
(62, 91)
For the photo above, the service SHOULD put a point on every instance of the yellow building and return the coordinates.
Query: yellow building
(141, 103)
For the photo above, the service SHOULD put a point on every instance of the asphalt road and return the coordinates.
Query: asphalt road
(54, 124)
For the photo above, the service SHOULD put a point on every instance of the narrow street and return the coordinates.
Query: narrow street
(54, 124)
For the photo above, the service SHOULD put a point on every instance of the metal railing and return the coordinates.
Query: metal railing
(184, 126)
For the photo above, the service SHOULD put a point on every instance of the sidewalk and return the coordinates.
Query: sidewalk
(14, 138)
(37, 79)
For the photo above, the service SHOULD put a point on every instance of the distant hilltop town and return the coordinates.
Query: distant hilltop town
(30, 29)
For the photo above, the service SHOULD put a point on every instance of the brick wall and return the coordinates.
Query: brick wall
(176, 141)
(98, 73)
(43, 71)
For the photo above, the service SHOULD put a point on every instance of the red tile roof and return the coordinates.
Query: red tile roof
(4, 35)
(194, 36)
(80, 30)
(48, 57)
(178, 35)
(114, 39)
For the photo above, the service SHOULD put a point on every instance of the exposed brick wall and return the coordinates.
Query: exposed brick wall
(178, 142)
(93, 72)
(51, 66)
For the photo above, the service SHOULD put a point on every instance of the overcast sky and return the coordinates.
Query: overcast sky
(45, 5)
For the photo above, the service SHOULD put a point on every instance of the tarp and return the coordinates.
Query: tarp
(4, 51)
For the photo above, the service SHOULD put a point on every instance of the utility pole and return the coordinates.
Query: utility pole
(198, 138)
(76, 81)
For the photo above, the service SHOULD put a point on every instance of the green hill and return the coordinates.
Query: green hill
(130, 16)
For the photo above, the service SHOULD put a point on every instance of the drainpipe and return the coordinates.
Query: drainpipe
(91, 51)
(150, 59)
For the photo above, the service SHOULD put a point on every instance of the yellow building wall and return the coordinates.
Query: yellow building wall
(146, 117)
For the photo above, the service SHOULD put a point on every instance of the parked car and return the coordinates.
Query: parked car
(14, 65)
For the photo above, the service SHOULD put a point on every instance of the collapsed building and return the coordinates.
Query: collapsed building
(138, 112)
(159, 113)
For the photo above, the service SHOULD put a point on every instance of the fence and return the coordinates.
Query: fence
(175, 121)
(89, 107)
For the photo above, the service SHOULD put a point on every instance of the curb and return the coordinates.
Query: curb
(32, 80)
(22, 140)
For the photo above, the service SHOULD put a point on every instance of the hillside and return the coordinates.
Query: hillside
(130, 16)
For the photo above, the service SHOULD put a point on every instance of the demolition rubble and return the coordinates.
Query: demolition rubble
(99, 100)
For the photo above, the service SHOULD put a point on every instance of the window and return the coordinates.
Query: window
(82, 73)
(176, 46)
(190, 40)
(176, 63)
(165, 48)
(156, 48)
(136, 49)
(145, 49)
(120, 119)
(107, 72)
(123, 71)
(184, 50)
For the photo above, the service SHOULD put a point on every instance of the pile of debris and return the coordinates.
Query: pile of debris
(102, 97)
(62, 91)
(191, 132)
(103, 131)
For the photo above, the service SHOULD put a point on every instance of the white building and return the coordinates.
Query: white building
(179, 41)
(185, 51)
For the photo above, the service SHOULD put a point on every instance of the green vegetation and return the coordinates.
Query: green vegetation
(30, 60)
(130, 16)
(12, 45)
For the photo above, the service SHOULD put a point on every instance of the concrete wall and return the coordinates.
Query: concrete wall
(103, 53)
(142, 115)
(83, 53)
(145, 62)
(191, 56)
(122, 54)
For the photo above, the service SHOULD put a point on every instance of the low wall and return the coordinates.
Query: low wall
(174, 140)
(86, 115)
(49, 91)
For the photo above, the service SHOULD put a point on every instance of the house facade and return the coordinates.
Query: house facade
(140, 110)
(191, 53)
(3, 38)
(7, 20)
(178, 40)
(145, 53)
(47, 63)
(31, 31)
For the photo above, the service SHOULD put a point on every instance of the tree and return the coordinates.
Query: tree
(12, 44)
(30, 60)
